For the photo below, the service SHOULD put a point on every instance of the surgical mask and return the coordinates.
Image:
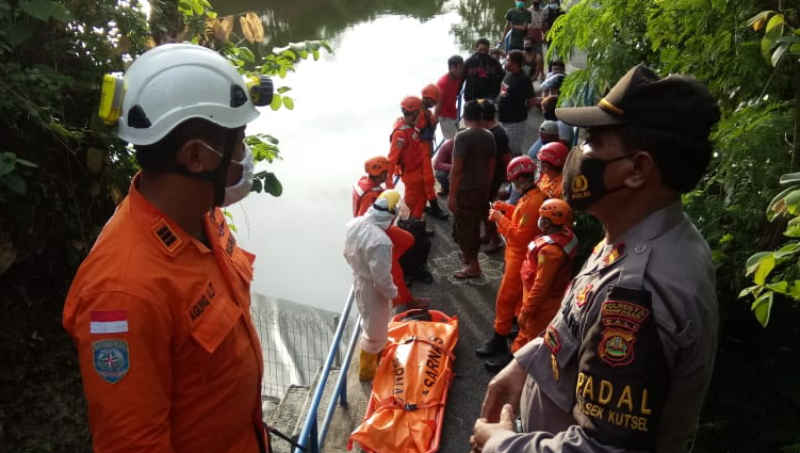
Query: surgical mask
(584, 179)
(239, 190)
(520, 4)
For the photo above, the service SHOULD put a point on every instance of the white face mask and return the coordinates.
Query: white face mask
(238, 191)
(541, 224)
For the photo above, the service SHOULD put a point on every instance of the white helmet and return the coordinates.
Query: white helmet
(172, 83)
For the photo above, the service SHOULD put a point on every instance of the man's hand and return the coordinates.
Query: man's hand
(484, 430)
(504, 388)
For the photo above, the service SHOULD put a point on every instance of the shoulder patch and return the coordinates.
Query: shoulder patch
(621, 321)
(111, 359)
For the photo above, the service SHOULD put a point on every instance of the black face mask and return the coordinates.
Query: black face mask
(584, 179)
(219, 176)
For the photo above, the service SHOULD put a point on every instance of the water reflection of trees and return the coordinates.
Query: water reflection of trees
(480, 19)
(293, 20)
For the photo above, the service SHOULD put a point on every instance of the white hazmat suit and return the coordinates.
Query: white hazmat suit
(368, 250)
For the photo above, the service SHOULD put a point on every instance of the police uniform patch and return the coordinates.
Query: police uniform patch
(621, 321)
(111, 359)
(583, 295)
(553, 343)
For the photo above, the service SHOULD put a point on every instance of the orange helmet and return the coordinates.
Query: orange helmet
(554, 153)
(557, 211)
(520, 165)
(431, 91)
(411, 104)
(377, 165)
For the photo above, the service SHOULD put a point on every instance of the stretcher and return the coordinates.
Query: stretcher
(405, 413)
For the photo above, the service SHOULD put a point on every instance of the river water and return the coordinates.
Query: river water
(345, 106)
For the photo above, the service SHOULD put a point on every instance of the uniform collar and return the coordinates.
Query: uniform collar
(167, 235)
(654, 225)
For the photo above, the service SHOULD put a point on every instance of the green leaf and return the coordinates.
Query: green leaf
(749, 290)
(793, 202)
(752, 263)
(779, 287)
(762, 307)
(288, 102)
(227, 214)
(257, 186)
(277, 100)
(765, 266)
(793, 228)
(272, 186)
(789, 178)
(727, 237)
(775, 24)
(315, 53)
(778, 206)
(18, 33)
(8, 161)
(778, 54)
(787, 250)
(232, 227)
(44, 10)
(246, 54)
(794, 293)
(282, 90)
(759, 18)
(282, 72)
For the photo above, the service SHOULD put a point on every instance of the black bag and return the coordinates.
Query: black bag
(414, 260)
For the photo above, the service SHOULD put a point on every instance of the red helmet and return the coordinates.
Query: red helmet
(520, 165)
(557, 211)
(431, 91)
(411, 104)
(554, 153)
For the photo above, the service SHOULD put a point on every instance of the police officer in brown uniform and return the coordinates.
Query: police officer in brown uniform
(626, 363)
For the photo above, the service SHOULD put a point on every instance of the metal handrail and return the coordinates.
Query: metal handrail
(340, 393)
(309, 441)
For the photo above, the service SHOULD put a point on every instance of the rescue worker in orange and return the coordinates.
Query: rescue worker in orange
(426, 126)
(545, 273)
(365, 192)
(368, 187)
(409, 159)
(518, 224)
(551, 159)
(160, 309)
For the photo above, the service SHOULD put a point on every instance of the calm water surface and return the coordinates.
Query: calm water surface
(345, 106)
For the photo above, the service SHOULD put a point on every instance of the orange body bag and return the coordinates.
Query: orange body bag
(406, 409)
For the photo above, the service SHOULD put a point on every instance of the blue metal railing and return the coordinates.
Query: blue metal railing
(311, 437)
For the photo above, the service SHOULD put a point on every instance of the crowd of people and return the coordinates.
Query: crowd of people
(617, 357)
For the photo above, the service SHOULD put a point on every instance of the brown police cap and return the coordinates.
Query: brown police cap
(678, 104)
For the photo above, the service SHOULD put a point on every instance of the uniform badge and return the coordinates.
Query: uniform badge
(111, 359)
(621, 321)
(553, 343)
(614, 254)
(583, 295)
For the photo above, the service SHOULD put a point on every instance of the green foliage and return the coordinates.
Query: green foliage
(244, 47)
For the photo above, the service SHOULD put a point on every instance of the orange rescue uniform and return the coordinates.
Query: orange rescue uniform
(412, 163)
(550, 184)
(402, 240)
(168, 354)
(545, 273)
(427, 121)
(365, 192)
(519, 230)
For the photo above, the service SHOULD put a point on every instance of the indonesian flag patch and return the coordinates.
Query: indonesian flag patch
(113, 321)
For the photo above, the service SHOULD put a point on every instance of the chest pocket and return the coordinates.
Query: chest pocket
(212, 320)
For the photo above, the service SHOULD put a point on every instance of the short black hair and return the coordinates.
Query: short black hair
(682, 160)
(455, 60)
(473, 111)
(160, 156)
(482, 41)
(488, 108)
(556, 63)
(516, 56)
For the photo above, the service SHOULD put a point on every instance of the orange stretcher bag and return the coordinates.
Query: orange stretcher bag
(406, 409)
